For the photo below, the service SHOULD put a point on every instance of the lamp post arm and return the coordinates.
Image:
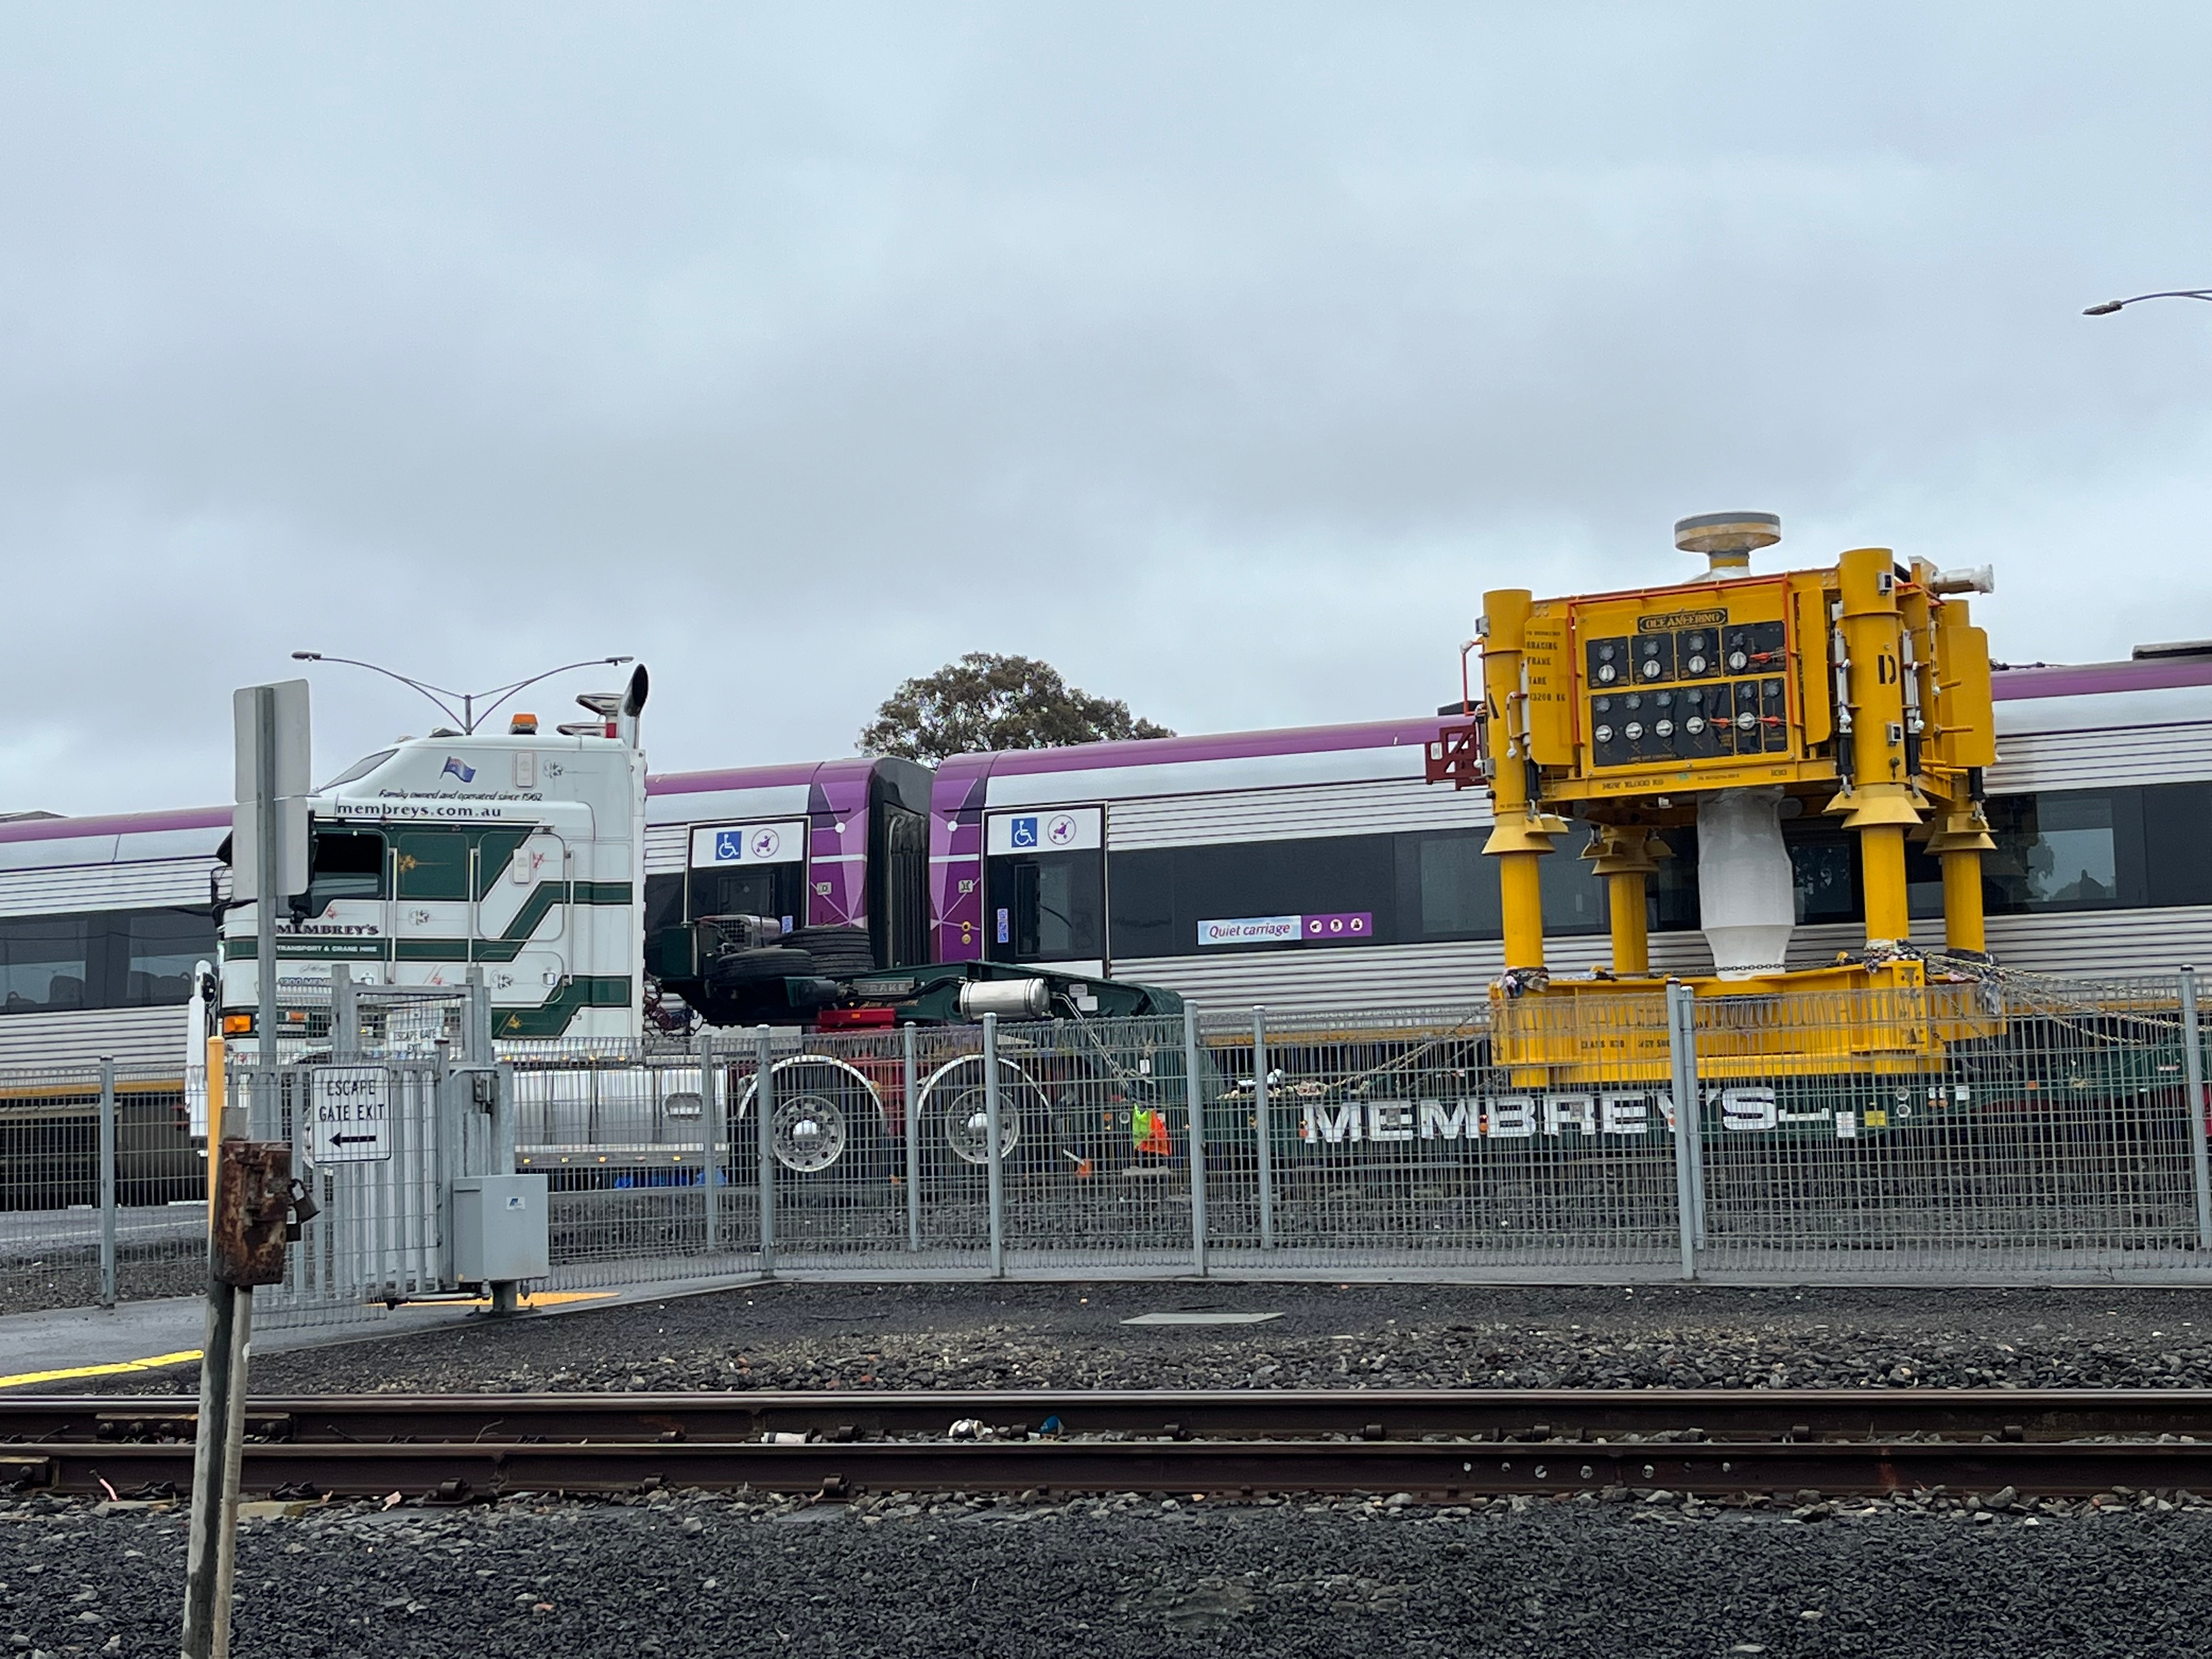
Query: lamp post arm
(2111, 305)
(502, 692)
(436, 693)
(468, 714)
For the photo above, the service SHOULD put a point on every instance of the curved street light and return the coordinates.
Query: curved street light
(2111, 305)
(468, 714)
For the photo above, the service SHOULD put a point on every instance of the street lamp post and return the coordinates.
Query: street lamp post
(2111, 305)
(468, 713)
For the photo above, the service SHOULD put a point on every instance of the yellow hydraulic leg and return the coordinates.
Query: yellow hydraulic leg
(1623, 857)
(1521, 833)
(1631, 940)
(1881, 861)
(1520, 885)
(1961, 837)
(1962, 902)
(1880, 801)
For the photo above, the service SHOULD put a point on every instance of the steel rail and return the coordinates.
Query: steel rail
(1515, 1415)
(460, 1472)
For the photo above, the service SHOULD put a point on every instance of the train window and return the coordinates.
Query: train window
(664, 902)
(106, 959)
(2177, 842)
(45, 963)
(431, 864)
(1045, 908)
(1923, 882)
(1144, 905)
(1573, 898)
(157, 949)
(347, 864)
(1670, 892)
(1825, 872)
(2066, 850)
(1447, 890)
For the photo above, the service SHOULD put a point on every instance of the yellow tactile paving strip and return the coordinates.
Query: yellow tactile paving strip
(186, 1356)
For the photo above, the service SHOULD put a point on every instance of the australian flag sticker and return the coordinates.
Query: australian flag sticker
(455, 770)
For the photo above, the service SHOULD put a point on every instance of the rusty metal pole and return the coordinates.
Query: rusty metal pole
(219, 1443)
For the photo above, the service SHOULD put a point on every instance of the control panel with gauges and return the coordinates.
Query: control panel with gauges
(1691, 686)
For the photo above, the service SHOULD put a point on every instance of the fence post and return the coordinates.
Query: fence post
(995, 1163)
(764, 1140)
(1681, 1048)
(913, 1126)
(106, 1182)
(503, 1132)
(1194, 1095)
(1263, 1129)
(476, 1044)
(710, 1132)
(2192, 1066)
(345, 1013)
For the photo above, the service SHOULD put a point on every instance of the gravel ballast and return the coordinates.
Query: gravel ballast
(820, 1335)
(686, 1574)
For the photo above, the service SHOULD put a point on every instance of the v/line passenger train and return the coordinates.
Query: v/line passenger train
(1303, 869)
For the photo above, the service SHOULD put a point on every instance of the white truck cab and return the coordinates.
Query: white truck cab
(520, 853)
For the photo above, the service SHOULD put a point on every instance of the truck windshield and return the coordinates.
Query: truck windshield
(362, 767)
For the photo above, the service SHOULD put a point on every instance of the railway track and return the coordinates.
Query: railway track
(1443, 1444)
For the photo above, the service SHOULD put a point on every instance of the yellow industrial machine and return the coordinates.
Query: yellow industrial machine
(1731, 701)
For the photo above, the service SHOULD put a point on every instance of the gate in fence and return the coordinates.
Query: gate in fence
(399, 1120)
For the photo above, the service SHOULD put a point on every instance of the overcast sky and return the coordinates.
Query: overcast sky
(1220, 354)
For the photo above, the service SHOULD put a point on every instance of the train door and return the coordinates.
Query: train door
(749, 870)
(1044, 887)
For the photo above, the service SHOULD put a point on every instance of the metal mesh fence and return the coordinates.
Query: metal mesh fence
(103, 1192)
(1972, 1128)
(1396, 1136)
(637, 1154)
(1983, 1128)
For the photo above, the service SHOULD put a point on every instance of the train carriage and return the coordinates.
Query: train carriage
(1305, 870)
(1309, 869)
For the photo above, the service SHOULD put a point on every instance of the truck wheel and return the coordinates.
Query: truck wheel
(954, 1123)
(823, 1125)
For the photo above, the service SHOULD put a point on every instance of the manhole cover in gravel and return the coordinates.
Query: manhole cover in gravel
(1202, 1317)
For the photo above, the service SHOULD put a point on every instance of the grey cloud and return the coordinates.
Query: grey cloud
(1223, 356)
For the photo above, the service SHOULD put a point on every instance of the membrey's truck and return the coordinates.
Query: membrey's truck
(520, 853)
(520, 856)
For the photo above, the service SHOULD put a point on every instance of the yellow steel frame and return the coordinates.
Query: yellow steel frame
(1886, 712)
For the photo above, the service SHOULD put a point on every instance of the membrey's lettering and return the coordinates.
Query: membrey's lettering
(1526, 1117)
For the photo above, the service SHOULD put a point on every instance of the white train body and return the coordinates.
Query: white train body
(1183, 862)
(1313, 870)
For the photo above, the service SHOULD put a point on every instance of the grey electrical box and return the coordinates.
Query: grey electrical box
(500, 1233)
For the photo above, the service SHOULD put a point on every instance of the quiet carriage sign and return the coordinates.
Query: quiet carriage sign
(352, 1115)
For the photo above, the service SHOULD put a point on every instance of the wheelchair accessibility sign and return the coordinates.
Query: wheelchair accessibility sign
(1067, 829)
(747, 843)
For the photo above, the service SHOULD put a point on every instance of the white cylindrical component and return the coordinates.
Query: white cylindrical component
(1746, 896)
(1009, 999)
